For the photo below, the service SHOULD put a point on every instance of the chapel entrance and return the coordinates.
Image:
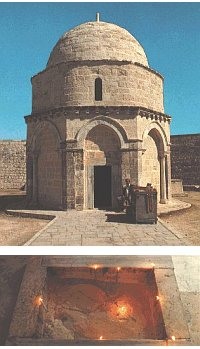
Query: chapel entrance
(102, 187)
(102, 158)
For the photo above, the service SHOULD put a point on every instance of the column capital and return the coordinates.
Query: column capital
(163, 154)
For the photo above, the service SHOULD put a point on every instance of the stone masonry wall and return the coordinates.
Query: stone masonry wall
(74, 85)
(12, 164)
(185, 158)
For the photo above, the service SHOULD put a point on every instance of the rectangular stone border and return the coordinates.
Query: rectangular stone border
(33, 284)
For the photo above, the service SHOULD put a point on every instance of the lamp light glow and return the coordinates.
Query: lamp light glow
(95, 266)
(38, 300)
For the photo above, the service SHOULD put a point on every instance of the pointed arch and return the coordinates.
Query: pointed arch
(40, 128)
(46, 166)
(158, 134)
(154, 159)
(102, 120)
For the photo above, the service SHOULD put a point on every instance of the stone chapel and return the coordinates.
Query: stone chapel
(97, 118)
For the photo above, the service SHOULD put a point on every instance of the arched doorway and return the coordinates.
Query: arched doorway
(102, 159)
(153, 163)
(47, 169)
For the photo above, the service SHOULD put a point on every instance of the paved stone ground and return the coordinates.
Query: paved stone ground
(101, 228)
(96, 227)
(187, 271)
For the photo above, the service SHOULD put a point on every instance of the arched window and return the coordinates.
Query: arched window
(98, 89)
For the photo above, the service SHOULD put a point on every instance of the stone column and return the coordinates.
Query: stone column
(89, 187)
(140, 152)
(74, 178)
(168, 171)
(125, 164)
(63, 174)
(79, 179)
(70, 180)
(132, 162)
(29, 175)
(35, 178)
(71, 157)
(163, 196)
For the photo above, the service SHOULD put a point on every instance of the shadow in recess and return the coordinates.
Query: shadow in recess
(13, 201)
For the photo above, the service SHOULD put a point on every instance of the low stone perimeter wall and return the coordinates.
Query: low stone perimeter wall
(12, 164)
(185, 158)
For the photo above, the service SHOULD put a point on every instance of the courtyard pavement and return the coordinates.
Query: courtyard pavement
(100, 228)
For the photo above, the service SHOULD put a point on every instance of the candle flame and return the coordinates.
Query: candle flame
(118, 268)
(173, 338)
(100, 338)
(95, 266)
(39, 300)
(157, 297)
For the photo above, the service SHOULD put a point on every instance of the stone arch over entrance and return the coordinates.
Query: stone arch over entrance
(46, 166)
(154, 160)
(102, 120)
(103, 175)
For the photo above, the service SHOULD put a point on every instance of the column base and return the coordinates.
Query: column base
(163, 201)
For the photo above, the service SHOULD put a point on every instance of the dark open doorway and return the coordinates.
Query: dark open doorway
(102, 186)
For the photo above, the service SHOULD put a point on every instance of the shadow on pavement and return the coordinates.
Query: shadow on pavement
(119, 218)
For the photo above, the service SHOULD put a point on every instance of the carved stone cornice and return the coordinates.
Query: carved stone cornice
(87, 111)
(153, 115)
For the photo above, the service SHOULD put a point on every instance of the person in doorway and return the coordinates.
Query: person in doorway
(127, 192)
(124, 200)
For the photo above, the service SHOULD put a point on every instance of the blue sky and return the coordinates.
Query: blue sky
(169, 33)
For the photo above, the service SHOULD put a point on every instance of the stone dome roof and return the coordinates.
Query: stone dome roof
(97, 41)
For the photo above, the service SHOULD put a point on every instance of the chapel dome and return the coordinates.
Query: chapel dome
(94, 41)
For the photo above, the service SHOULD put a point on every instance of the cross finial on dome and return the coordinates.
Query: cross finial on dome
(97, 16)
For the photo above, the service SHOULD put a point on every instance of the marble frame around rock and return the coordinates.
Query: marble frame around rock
(25, 316)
